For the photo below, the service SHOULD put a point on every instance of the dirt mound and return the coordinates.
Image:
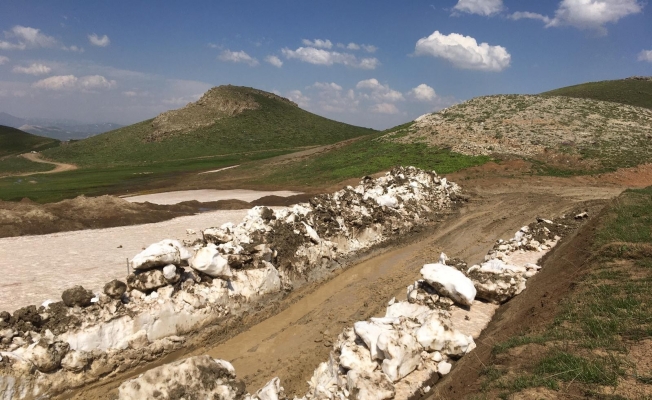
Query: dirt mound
(219, 102)
(29, 218)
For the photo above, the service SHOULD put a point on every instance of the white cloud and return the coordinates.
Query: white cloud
(4, 60)
(354, 46)
(327, 86)
(296, 96)
(480, 7)
(324, 57)
(593, 14)
(529, 15)
(27, 37)
(423, 93)
(92, 82)
(320, 44)
(384, 108)
(130, 93)
(464, 52)
(34, 69)
(379, 92)
(586, 14)
(645, 55)
(71, 82)
(238, 57)
(99, 41)
(275, 61)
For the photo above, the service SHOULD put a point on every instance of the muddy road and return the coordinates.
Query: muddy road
(297, 334)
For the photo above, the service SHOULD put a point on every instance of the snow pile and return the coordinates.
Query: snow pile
(509, 264)
(175, 289)
(372, 359)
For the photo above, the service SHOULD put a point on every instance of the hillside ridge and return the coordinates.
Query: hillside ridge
(596, 134)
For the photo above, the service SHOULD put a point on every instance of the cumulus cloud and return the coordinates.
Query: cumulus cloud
(296, 96)
(316, 56)
(379, 92)
(327, 86)
(275, 61)
(464, 52)
(479, 7)
(529, 15)
(423, 93)
(26, 37)
(645, 55)
(99, 41)
(586, 14)
(354, 46)
(34, 69)
(384, 108)
(238, 57)
(319, 43)
(71, 82)
(4, 60)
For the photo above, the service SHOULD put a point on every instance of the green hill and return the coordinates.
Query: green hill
(226, 120)
(631, 91)
(15, 141)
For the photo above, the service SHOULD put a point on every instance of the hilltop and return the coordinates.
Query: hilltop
(225, 120)
(633, 91)
(564, 132)
(15, 141)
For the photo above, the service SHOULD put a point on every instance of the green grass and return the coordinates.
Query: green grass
(630, 92)
(15, 141)
(275, 125)
(95, 181)
(610, 310)
(18, 164)
(368, 156)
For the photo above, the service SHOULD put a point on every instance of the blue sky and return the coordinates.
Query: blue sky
(371, 63)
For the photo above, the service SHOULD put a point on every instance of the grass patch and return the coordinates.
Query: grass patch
(368, 156)
(18, 164)
(609, 310)
(625, 91)
(97, 181)
(15, 141)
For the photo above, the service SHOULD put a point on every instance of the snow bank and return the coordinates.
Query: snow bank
(177, 288)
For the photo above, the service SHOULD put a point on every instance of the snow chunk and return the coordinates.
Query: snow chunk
(450, 282)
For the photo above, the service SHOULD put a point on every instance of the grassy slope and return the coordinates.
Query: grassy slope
(626, 91)
(364, 157)
(609, 313)
(15, 141)
(275, 125)
(121, 161)
(17, 164)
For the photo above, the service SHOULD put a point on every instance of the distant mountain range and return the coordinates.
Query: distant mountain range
(56, 129)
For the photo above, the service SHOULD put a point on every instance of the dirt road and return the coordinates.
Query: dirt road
(291, 343)
(59, 167)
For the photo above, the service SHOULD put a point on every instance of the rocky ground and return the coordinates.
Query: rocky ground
(533, 126)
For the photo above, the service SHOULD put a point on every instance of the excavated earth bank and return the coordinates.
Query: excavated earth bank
(315, 314)
(63, 345)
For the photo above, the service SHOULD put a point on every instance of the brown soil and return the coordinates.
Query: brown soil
(533, 309)
(291, 337)
(59, 167)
